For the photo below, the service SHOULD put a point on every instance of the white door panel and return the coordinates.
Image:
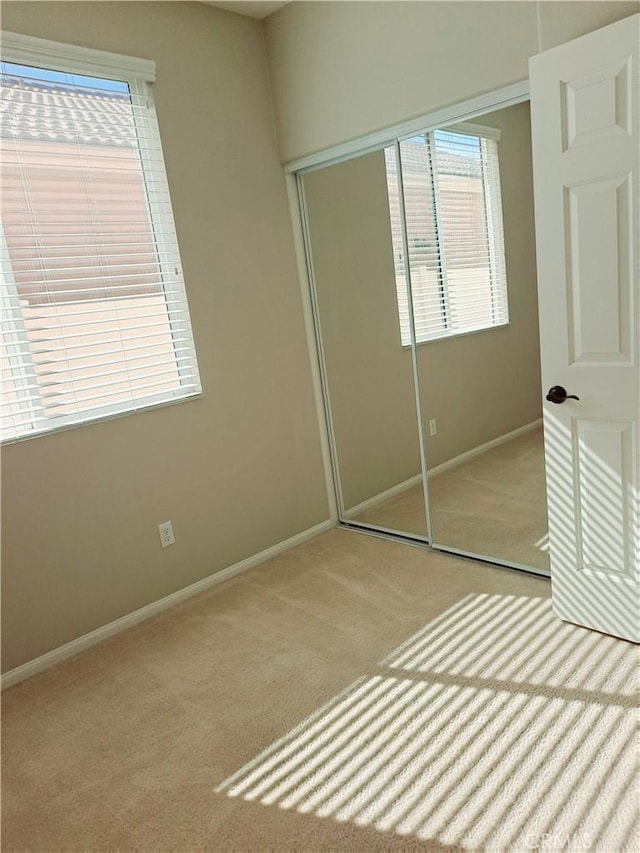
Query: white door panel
(586, 151)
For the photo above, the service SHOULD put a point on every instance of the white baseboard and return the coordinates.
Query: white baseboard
(383, 496)
(39, 664)
(482, 448)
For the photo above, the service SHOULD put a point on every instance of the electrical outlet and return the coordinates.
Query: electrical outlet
(432, 427)
(165, 529)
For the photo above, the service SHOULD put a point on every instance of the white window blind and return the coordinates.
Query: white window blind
(95, 320)
(453, 215)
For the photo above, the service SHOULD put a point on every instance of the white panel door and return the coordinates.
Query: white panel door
(585, 100)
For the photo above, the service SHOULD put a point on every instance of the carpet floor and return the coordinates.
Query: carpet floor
(493, 505)
(350, 694)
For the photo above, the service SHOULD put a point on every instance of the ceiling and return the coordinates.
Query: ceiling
(252, 8)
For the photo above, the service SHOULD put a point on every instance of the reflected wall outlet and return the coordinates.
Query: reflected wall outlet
(165, 529)
(432, 427)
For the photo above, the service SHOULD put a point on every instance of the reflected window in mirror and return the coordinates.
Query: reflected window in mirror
(450, 185)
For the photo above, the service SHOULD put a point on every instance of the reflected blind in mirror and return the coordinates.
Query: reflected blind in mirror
(450, 181)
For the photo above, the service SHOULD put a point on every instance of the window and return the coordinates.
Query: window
(94, 313)
(453, 213)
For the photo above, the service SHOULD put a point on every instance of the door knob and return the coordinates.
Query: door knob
(557, 394)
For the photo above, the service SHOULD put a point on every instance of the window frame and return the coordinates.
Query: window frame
(492, 202)
(138, 74)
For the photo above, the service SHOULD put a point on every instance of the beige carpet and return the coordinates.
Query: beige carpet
(493, 505)
(351, 694)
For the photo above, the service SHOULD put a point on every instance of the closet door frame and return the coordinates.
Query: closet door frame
(294, 171)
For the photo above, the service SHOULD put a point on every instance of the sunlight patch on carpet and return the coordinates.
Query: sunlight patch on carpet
(495, 726)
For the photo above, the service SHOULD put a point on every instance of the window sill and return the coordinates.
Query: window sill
(99, 419)
(450, 335)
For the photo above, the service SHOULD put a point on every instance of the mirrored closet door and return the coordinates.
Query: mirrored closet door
(369, 379)
(423, 260)
(468, 199)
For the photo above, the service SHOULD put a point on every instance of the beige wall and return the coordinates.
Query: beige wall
(343, 69)
(477, 386)
(238, 470)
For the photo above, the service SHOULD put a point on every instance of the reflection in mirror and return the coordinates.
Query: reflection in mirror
(456, 274)
(369, 377)
(473, 282)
